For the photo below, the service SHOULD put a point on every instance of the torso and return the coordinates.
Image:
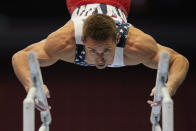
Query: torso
(130, 51)
(78, 17)
(129, 56)
(124, 5)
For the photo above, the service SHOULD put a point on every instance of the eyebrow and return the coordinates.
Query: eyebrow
(90, 48)
(94, 49)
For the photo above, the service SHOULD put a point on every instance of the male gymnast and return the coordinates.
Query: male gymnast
(99, 35)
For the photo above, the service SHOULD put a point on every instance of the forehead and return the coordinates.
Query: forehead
(105, 43)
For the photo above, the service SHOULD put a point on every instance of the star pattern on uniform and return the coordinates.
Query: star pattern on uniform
(122, 29)
(80, 55)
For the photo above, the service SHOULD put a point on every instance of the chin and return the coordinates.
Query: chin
(101, 67)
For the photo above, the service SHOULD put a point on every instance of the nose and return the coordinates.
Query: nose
(100, 59)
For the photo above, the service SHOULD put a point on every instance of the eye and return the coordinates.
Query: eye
(92, 51)
(106, 50)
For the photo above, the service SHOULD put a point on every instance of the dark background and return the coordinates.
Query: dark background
(87, 99)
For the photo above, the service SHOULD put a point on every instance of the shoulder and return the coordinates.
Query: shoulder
(63, 34)
(61, 43)
(62, 40)
(140, 45)
(138, 39)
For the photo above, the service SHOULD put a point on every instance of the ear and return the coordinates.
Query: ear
(117, 38)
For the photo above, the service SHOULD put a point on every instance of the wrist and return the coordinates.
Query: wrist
(171, 89)
(27, 87)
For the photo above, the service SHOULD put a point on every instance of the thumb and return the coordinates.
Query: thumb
(46, 91)
(153, 92)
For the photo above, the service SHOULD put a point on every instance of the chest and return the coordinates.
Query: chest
(130, 59)
(132, 55)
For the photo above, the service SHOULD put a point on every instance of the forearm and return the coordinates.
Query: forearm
(21, 69)
(177, 72)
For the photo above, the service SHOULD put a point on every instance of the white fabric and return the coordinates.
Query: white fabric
(118, 58)
(78, 31)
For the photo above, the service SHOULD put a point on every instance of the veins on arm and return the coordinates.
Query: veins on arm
(143, 48)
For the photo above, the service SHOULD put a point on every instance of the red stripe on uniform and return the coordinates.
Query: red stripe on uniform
(124, 5)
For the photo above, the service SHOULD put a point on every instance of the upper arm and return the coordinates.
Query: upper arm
(146, 49)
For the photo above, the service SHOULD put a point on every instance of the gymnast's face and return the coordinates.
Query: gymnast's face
(99, 53)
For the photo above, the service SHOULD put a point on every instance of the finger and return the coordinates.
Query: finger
(158, 102)
(38, 108)
(46, 91)
(150, 102)
(152, 92)
(49, 107)
(155, 104)
(38, 104)
(41, 108)
(41, 105)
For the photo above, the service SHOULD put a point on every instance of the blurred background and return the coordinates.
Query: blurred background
(87, 99)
